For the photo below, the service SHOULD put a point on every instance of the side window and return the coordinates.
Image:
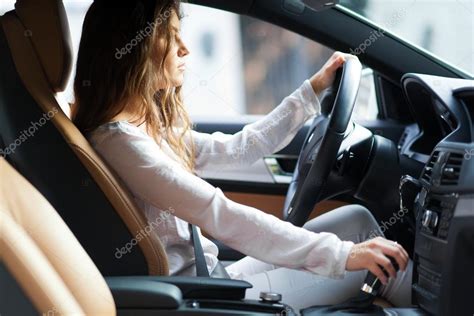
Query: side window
(76, 12)
(366, 108)
(243, 66)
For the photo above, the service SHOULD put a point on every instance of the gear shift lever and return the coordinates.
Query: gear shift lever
(368, 292)
(359, 305)
(372, 284)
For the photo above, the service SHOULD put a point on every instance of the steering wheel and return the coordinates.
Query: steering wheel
(321, 146)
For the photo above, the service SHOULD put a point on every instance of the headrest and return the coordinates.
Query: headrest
(46, 25)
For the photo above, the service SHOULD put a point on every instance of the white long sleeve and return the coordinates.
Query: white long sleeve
(263, 137)
(160, 183)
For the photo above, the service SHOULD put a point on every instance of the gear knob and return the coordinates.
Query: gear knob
(372, 284)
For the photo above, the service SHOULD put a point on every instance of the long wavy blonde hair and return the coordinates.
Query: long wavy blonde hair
(121, 60)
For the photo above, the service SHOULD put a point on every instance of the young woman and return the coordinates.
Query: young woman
(133, 59)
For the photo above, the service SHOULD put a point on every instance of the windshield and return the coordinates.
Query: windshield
(445, 28)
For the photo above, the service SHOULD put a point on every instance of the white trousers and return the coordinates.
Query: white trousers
(301, 289)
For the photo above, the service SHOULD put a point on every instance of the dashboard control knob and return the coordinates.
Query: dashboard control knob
(429, 219)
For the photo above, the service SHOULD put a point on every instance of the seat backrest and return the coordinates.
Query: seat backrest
(41, 142)
(43, 268)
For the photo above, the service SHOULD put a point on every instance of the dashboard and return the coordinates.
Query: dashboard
(442, 139)
(443, 109)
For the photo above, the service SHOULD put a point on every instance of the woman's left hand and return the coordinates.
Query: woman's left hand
(325, 76)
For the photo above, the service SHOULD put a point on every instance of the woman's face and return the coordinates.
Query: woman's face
(175, 60)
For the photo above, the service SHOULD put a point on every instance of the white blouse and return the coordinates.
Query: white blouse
(170, 196)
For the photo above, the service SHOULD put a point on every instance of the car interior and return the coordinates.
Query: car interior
(64, 212)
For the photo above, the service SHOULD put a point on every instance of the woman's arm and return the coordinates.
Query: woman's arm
(153, 176)
(271, 133)
(263, 137)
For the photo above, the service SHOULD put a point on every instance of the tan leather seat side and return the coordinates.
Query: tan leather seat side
(36, 82)
(33, 272)
(33, 213)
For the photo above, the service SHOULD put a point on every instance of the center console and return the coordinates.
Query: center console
(165, 295)
(443, 279)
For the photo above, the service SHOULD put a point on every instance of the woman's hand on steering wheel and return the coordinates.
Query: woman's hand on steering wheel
(372, 255)
(324, 78)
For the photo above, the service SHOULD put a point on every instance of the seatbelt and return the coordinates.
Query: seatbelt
(200, 261)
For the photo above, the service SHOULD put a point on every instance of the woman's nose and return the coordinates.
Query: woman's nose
(183, 50)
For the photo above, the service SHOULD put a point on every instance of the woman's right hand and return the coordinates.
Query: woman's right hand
(372, 255)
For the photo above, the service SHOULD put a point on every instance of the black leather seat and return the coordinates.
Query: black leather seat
(40, 141)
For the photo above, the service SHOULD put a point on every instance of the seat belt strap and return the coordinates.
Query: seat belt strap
(201, 266)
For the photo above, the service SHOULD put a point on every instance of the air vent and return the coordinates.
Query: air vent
(452, 169)
(428, 172)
